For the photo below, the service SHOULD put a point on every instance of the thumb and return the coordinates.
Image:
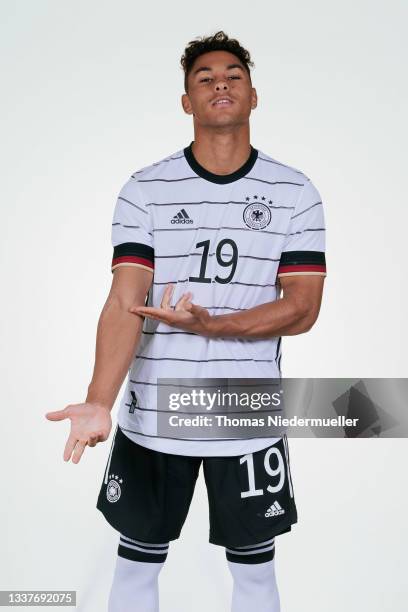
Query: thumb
(57, 415)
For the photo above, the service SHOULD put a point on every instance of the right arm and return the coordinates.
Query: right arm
(118, 335)
(118, 331)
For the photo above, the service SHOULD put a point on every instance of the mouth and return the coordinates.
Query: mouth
(222, 102)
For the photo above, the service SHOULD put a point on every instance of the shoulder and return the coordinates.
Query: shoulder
(164, 168)
(161, 170)
(280, 170)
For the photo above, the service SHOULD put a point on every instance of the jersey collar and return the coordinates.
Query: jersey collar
(220, 178)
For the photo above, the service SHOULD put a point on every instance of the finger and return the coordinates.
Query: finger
(158, 314)
(143, 313)
(94, 439)
(69, 447)
(57, 415)
(168, 292)
(146, 311)
(79, 449)
(185, 298)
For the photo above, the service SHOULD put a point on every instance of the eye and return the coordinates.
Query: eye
(205, 80)
(234, 76)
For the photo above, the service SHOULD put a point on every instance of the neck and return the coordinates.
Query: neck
(220, 152)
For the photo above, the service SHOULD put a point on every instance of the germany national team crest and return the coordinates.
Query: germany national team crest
(257, 215)
(113, 490)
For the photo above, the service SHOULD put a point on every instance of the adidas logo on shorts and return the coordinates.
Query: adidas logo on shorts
(181, 217)
(275, 510)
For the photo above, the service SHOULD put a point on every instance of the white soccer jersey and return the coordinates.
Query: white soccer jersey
(227, 239)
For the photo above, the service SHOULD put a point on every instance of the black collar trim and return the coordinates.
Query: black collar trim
(220, 178)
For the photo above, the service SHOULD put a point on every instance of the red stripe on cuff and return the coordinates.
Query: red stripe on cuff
(133, 259)
(302, 268)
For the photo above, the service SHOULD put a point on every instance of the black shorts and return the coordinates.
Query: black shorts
(146, 494)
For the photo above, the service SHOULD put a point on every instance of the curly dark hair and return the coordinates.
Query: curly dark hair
(220, 41)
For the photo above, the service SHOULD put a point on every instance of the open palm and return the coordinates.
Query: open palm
(90, 423)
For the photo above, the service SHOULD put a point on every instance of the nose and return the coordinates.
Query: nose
(221, 85)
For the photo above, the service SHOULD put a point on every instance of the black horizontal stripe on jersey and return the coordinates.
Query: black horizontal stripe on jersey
(121, 224)
(308, 229)
(161, 180)
(185, 333)
(240, 229)
(306, 209)
(311, 258)
(213, 254)
(151, 333)
(241, 203)
(134, 249)
(162, 161)
(167, 159)
(145, 435)
(216, 359)
(130, 226)
(176, 385)
(271, 161)
(258, 180)
(133, 204)
(246, 385)
(185, 280)
(224, 307)
(249, 411)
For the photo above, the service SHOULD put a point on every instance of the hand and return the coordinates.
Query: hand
(185, 315)
(90, 423)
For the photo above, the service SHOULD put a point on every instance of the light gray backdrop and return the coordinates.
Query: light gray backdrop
(91, 92)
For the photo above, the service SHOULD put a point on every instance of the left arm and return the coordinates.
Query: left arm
(295, 313)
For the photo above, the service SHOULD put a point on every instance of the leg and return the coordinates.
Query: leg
(145, 494)
(253, 573)
(135, 582)
(251, 500)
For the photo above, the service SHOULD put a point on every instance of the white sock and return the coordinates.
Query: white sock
(135, 586)
(254, 587)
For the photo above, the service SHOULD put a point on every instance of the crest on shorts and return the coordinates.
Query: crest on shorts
(257, 214)
(113, 490)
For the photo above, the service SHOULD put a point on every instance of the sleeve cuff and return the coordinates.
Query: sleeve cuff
(302, 262)
(133, 254)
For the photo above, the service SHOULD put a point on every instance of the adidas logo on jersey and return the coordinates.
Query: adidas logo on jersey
(181, 217)
(275, 510)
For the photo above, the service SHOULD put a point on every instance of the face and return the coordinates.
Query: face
(220, 93)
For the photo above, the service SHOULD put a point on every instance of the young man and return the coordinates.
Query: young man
(226, 225)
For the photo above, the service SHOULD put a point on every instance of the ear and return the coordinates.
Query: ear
(254, 98)
(185, 103)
